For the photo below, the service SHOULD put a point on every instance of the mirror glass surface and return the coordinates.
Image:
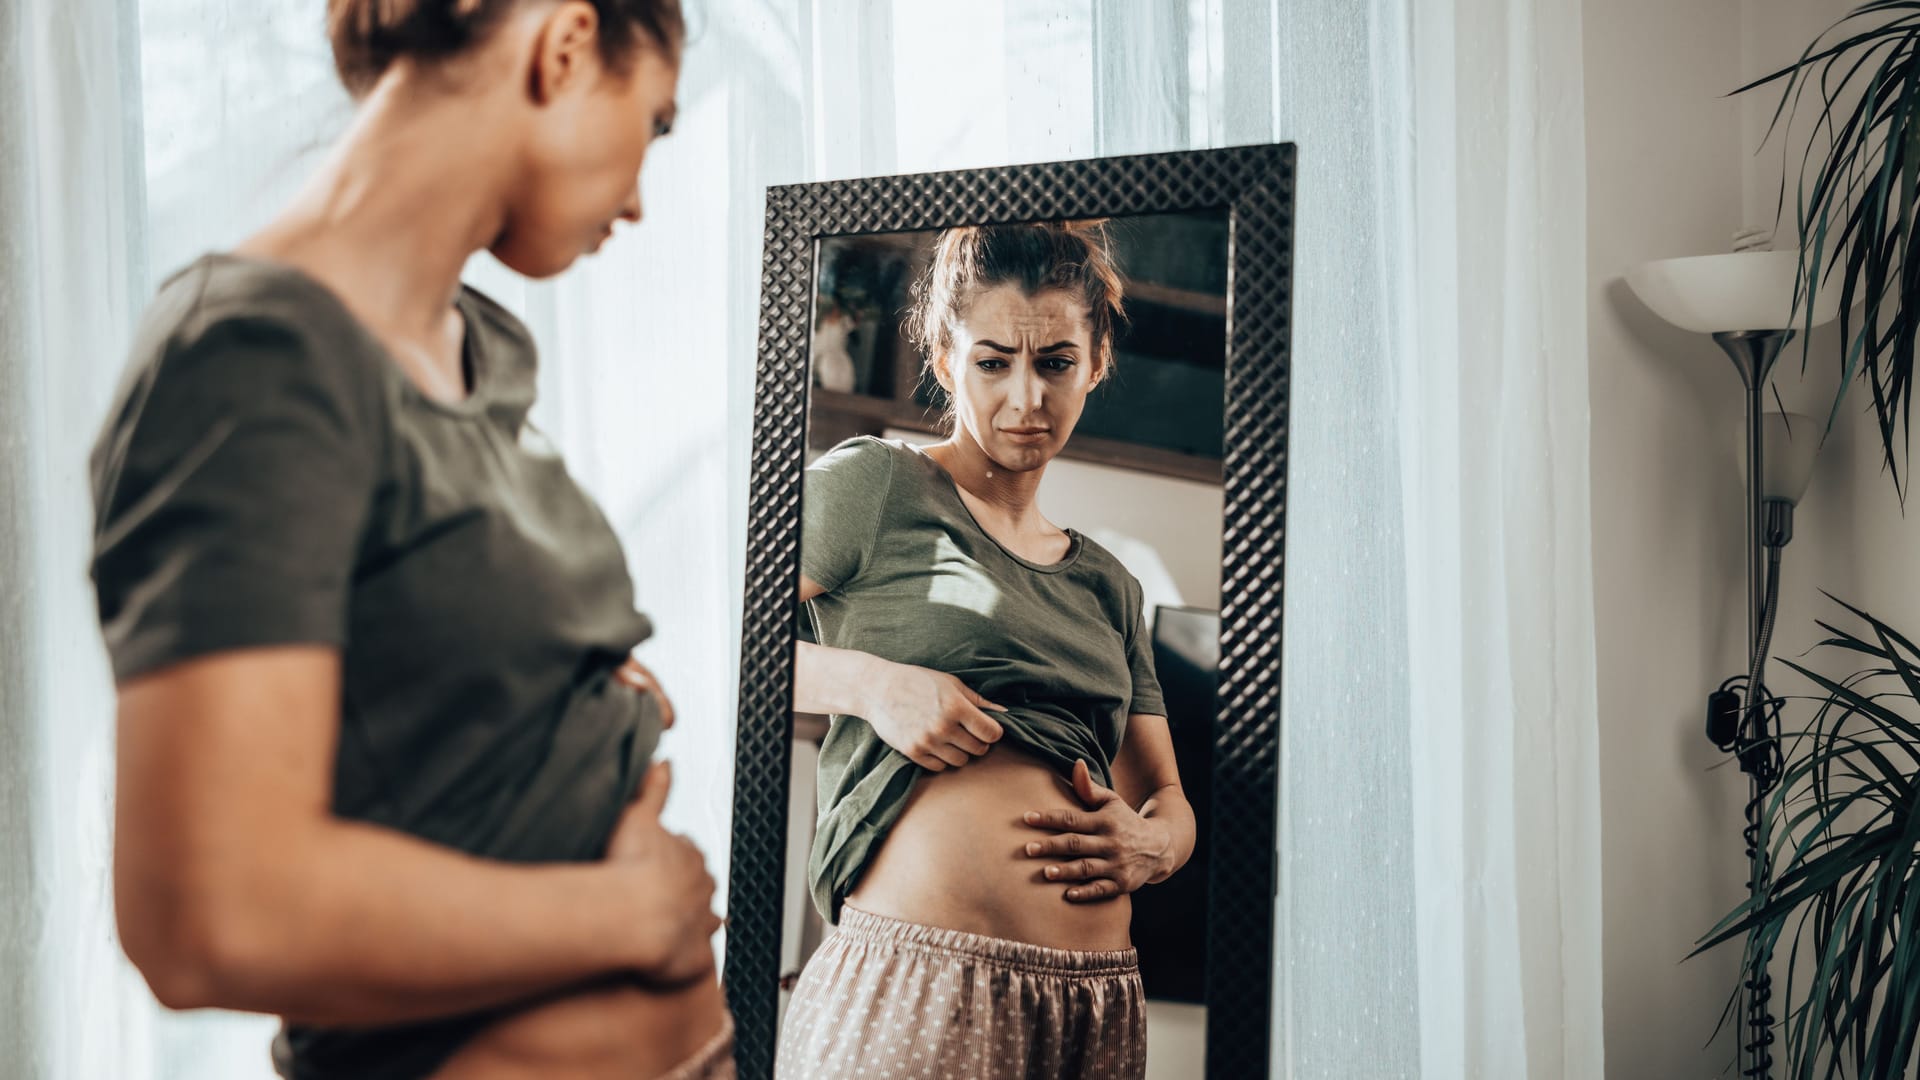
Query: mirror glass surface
(1003, 492)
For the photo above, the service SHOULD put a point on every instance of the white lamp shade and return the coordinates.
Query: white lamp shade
(1744, 290)
(1790, 442)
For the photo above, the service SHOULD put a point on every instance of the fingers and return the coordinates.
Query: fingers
(974, 696)
(968, 742)
(925, 757)
(946, 749)
(981, 726)
(949, 753)
(1079, 870)
(1072, 821)
(652, 796)
(694, 861)
(691, 852)
(1069, 845)
(1097, 890)
(1083, 783)
(1089, 792)
(636, 675)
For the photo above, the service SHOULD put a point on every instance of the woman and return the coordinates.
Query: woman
(998, 776)
(381, 744)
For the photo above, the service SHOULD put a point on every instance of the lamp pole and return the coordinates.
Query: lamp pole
(1753, 353)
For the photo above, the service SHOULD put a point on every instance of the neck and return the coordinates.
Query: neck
(1013, 493)
(400, 204)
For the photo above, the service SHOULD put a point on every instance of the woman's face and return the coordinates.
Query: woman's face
(1019, 373)
(588, 137)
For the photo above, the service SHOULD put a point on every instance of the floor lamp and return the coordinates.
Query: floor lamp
(1746, 301)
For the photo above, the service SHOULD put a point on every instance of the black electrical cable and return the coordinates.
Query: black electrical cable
(1746, 724)
(1758, 748)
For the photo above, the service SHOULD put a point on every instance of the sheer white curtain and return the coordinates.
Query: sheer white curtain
(1492, 373)
(1439, 816)
(71, 283)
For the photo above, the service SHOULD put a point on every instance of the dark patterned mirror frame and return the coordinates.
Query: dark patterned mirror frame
(1256, 185)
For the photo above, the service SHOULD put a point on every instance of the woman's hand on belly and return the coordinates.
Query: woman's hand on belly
(954, 859)
(637, 1025)
(1104, 851)
(673, 893)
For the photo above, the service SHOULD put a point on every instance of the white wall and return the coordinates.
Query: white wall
(1672, 170)
(1663, 179)
(1180, 520)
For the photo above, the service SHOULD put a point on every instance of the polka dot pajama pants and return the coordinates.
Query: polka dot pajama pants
(892, 1000)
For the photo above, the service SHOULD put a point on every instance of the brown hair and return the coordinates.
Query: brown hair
(1071, 256)
(369, 35)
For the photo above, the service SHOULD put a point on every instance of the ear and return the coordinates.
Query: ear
(941, 373)
(564, 55)
(1102, 363)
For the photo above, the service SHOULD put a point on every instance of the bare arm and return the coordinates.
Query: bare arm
(829, 680)
(834, 681)
(235, 886)
(1147, 776)
(933, 718)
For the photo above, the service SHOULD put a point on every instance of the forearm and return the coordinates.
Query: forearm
(1168, 807)
(355, 924)
(835, 681)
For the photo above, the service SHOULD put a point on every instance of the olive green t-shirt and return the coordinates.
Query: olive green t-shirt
(269, 476)
(911, 577)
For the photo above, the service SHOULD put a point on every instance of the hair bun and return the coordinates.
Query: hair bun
(369, 35)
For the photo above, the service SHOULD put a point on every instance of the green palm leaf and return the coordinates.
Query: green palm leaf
(1844, 895)
(1864, 186)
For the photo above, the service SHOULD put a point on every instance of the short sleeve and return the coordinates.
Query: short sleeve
(841, 502)
(231, 486)
(1147, 699)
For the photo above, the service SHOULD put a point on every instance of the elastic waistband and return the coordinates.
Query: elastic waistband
(866, 926)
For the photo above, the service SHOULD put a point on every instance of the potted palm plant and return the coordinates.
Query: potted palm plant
(1854, 206)
(1837, 838)
(1843, 892)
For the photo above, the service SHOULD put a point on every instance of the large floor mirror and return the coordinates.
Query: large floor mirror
(1005, 800)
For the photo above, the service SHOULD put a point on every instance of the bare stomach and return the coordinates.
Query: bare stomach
(611, 1031)
(956, 858)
